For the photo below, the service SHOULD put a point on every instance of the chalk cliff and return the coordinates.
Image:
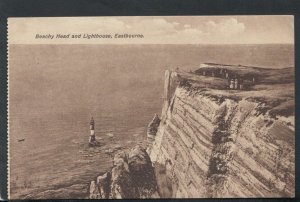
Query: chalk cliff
(222, 143)
(211, 141)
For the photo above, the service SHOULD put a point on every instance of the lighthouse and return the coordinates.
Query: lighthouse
(92, 129)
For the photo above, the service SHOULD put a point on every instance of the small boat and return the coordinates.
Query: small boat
(21, 140)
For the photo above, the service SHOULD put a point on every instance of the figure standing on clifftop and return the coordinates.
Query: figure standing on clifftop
(231, 86)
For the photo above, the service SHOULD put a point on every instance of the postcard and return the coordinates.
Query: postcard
(151, 107)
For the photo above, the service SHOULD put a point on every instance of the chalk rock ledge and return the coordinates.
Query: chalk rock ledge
(132, 176)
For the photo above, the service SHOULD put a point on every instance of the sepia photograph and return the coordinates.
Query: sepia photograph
(151, 107)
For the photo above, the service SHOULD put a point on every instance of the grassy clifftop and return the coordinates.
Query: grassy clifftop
(274, 88)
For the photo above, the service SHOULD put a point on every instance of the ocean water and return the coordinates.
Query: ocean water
(55, 89)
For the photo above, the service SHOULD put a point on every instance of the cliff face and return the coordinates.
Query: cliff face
(212, 145)
(212, 142)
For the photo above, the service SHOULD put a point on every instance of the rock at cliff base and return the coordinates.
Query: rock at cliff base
(132, 176)
(100, 188)
(140, 167)
(153, 126)
(94, 191)
(121, 159)
(122, 185)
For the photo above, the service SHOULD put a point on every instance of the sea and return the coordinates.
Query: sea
(54, 90)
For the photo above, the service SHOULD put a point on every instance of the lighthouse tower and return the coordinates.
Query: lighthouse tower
(92, 129)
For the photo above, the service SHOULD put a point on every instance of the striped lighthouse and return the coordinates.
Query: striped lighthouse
(92, 129)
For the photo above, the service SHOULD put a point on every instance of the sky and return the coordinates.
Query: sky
(254, 29)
